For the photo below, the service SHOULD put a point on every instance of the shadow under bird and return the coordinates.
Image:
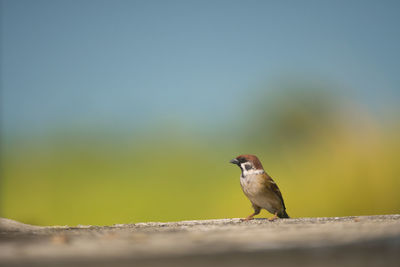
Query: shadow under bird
(259, 187)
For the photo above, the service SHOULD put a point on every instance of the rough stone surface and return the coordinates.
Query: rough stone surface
(337, 241)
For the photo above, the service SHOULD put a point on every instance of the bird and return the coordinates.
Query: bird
(259, 188)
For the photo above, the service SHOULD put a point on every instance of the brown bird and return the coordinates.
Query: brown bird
(259, 187)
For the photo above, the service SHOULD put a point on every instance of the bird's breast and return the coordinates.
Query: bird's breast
(252, 185)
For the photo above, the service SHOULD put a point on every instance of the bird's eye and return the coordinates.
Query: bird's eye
(248, 167)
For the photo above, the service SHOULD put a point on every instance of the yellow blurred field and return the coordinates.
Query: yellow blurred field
(351, 169)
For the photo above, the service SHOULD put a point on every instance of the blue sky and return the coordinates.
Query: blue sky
(141, 63)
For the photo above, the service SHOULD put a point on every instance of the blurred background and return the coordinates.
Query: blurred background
(129, 111)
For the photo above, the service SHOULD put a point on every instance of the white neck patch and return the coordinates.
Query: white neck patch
(250, 171)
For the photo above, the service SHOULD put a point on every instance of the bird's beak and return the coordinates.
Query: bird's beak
(234, 161)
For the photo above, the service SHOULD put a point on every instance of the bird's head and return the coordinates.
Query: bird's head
(248, 163)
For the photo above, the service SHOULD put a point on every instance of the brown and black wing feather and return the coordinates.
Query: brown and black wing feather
(276, 190)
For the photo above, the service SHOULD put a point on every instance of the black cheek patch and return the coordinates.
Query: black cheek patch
(248, 167)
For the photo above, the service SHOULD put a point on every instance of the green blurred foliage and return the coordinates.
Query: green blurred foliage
(329, 156)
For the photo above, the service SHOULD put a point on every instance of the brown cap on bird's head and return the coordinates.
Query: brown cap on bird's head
(248, 158)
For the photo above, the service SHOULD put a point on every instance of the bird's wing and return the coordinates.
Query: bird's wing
(272, 185)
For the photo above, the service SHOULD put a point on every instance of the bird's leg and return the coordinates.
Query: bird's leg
(250, 217)
(273, 218)
(256, 211)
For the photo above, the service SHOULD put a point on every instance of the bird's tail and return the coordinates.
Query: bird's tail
(283, 214)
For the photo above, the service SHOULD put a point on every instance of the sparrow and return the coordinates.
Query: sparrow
(259, 187)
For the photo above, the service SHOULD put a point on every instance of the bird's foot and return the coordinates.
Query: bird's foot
(273, 218)
(249, 218)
